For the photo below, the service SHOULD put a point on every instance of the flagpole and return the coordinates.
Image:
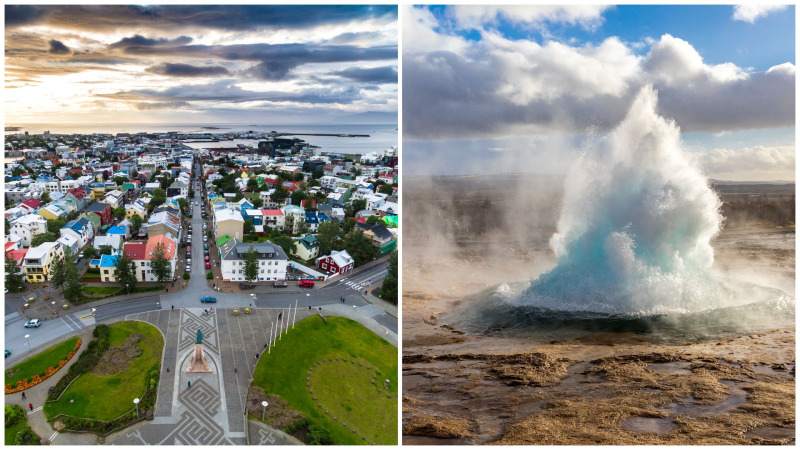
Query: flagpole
(269, 351)
(294, 318)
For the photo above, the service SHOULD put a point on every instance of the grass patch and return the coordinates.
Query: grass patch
(341, 386)
(39, 363)
(99, 292)
(109, 396)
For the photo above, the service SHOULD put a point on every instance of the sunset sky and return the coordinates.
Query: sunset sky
(200, 64)
(520, 88)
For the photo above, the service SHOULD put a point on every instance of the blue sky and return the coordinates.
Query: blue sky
(528, 78)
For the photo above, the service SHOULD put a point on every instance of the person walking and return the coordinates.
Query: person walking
(30, 405)
(189, 383)
(23, 395)
(173, 307)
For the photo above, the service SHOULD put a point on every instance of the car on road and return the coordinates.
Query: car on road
(205, 238)
(206, 258)
(306, 283)
(205, 246)
(279, 284)
(33, 323)
(208, 265)
(208, 300)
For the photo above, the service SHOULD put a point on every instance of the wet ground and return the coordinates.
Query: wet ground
(598, 388)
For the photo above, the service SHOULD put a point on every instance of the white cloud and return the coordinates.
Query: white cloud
(530, 16)
(751, 163)
(502, 87)
(752, 11)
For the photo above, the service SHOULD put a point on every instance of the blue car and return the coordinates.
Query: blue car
(208, 300)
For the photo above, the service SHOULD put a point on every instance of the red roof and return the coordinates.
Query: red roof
(169, 246)
(10, 244)
(303, 203)
(17, 255)
(32, 203)
(78, 192)
(270, 181)
(361, 220)
(271, 212)
(136, 250)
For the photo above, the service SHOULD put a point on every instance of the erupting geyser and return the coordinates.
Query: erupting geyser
(635, 228)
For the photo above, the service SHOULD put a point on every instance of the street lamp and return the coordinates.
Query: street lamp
(264, 414)
(128, 288)
(28, 341)
(136, 402)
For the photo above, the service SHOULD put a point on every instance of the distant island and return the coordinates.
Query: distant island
(13, 128)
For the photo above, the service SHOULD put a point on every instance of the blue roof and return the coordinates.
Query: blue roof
(74, 225)
(117, 230)
(108, 261)
(311, 217)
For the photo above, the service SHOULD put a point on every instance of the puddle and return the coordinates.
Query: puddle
(771, 433)
(769, 370)
(649, 425)
(738, 397)
(671, 368)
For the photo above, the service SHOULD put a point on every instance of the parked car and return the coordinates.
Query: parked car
(8, 353)
(205, 238)
(306, 283)
(208, 300)
(206, 258)
(208, 265)
(279, 284)
(205, 246)
(33, 323)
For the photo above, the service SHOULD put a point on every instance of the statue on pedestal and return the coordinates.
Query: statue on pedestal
(198, 363)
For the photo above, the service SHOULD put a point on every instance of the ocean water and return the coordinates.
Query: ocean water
(381, 136)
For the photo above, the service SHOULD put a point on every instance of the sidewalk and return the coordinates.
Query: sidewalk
(389, 308)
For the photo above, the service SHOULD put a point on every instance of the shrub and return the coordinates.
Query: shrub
(26, 437)
(318, 436)
(186, 275)
(209, 276)
(14, 414)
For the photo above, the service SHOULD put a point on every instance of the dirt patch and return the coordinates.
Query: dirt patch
(279, 415)
(115, 359)
(437, 426)
(432, 339)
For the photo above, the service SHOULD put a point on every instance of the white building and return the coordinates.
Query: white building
(272, 261)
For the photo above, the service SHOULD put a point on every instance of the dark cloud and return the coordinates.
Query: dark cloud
(58, 48)
(226, 91)
(154, 106)
(237, 17)
(377, 75)
(352, 38)
(141, 41)
(187, 70)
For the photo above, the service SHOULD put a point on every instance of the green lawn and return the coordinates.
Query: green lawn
(345, 389)
(11, 432)
(40, 362)
(110, 291)
(108, 397)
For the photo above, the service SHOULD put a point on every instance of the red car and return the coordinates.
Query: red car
(208, 265)
(206, 258)
(306, 283)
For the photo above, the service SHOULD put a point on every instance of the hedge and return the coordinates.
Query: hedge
(85, 362)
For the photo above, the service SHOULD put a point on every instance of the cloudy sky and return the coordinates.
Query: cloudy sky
(200, 64)
(512, 89)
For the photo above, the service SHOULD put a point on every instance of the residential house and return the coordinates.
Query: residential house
(307, 248)
(272, 261)
(81, 229)
(103, 210)
(336, 262)
(230, 222)
(30, 205)
(27, 227)
(108, 268)
(38, 261)
(141, 253)
(163, 222)
(69, 242)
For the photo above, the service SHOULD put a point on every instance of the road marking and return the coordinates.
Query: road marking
(53, 436)
(35, 410)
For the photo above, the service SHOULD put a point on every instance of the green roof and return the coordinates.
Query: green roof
(221, 241)
(390, 221)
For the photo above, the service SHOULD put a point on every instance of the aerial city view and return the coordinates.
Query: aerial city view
(598, 225)
(201, 225)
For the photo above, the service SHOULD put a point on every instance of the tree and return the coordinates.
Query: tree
(89, 252)
(286, 243)
(298, 177)
(40, 239)
(72, 282)
(297, 197)
(126, 271)
(360, 247)
(328, 234)
(251, 265)
(14, 276)
(318, 174)
(386, 189)
(106, 250)
(184, 204)
(348, 225)
(388, 290)
(258, 202)
(252, 185)
(279, 195)
(373, 220)
(160, 265)
(8, 225)
(73, 215)
(249, 227)
(355, 206)
(118, 213)
(136, 223)
(58, 273)
(45, 198)
(120, 180)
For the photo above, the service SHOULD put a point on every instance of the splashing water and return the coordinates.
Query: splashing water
(635, 229)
